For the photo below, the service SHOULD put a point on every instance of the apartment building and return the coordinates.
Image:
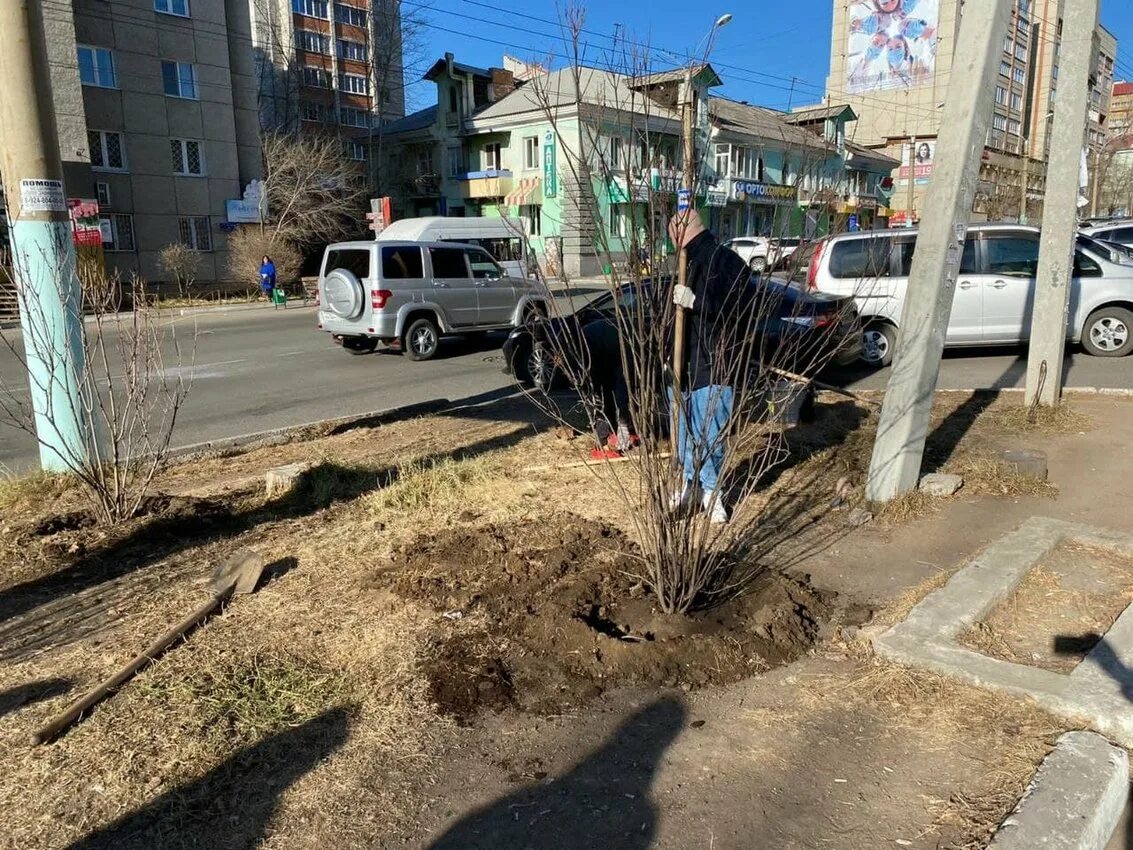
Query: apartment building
(1120, 121)
(899, 96)
(155, 102)
(330, 65)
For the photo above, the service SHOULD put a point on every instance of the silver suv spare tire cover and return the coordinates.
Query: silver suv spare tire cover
(342, 294)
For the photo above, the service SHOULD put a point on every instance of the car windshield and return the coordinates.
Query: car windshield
(1106, 251)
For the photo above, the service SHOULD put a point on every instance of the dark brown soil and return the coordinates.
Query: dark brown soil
(546, 616)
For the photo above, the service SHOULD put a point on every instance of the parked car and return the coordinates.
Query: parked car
(757, 251)
(784, 250)
(503, 238)
(819, 328)
(1113, 230)
(994, 294)
(410, 294)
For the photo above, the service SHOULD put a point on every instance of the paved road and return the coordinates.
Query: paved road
(262, 369)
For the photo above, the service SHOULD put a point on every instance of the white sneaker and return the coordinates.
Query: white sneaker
(682, 498)
(714, 507)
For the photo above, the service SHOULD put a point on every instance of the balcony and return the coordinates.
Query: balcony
(486, 184)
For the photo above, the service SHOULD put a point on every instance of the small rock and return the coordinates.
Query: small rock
(941, 484)
(686, 687)
(844, 487)
(696, 724)
(859, 516)
(283, 478)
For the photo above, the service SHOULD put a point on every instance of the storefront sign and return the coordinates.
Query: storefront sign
(866, 202)
(549, 184)
(246, 210)
(767, 193)
(717, 198)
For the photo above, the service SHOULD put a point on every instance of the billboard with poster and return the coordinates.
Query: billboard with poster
(921, 153)
(891, 44)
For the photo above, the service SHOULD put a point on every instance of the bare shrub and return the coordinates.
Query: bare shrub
(622, 136)
(102, 406)
(247, 247)
(181, 263)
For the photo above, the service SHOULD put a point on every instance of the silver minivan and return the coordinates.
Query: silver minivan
(995, 291)
(410, 294)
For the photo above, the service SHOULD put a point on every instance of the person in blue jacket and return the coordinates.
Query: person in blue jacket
(267, 277)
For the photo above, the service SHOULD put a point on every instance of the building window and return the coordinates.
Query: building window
(455, 162)
(348, 116)
(316, 77)
(102, 193)
(1021, 52)
(195, 232)
(107, 150)
(490, 159)
(531, 152)
(1013, 127)
(180, 79)
(1019, 75)
(532, 215)
(1016, 100)
(424, 162)
(120, 229)
(312, 112)
(96, 67)
(1000, 95)
(619, 220)
(313, 42)
(1005, 69)
(617, 147)
(723, 157)
(999, 122)
(188, 157)
(356, 150)
(310, 8)
(353, 83)
(349, 15)
(180, 8)
(453, 103)
(352, 50)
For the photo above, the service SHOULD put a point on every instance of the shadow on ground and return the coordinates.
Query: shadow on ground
(602, 802)
(232, 804)
(16, 698)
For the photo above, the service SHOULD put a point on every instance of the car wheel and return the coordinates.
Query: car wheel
(1108, 332)
(758, 264)
(359, 344)
(422, 339)
(878, 344)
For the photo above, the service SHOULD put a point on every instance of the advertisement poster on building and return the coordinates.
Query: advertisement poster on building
(891, 44)
(549, 187)
(84, 221)
(921, 153)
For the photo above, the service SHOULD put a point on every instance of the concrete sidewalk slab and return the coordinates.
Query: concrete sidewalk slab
(1098, 693)
(1074, 802)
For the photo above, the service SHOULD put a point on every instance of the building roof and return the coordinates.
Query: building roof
(1121, 87)
(742, 118)
(884, 160)
(441, 65)
(419, 120)
(705, 71)
(807, 114)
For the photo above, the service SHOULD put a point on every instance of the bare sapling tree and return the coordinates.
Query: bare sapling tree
(752, 340)
(313, 192)
(181, 263)
(247, 248)
(130, 375)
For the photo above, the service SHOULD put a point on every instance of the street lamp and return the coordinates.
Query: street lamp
(710, 36)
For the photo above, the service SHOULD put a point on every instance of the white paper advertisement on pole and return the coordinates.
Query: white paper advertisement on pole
(42, 196)
(891, 44)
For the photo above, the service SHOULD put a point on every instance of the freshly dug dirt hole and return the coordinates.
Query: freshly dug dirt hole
(545, 616)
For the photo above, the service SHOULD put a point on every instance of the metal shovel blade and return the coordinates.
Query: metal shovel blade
(240, 573)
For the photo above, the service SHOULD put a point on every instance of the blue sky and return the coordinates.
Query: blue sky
(774, 53)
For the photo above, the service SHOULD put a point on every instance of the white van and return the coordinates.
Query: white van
(503, 238)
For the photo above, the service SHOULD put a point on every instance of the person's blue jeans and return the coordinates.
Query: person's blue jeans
(701, 431)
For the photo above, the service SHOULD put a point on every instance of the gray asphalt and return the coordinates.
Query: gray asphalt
(257, 370)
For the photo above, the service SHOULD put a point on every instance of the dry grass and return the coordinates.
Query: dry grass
(1011, 418)
(966, 721)
(987, 475)
(32, 491)
(435, 486)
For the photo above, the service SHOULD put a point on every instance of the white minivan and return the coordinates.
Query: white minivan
(995, 291)
(502, 238)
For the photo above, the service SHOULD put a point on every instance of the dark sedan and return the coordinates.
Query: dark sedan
(823, 327)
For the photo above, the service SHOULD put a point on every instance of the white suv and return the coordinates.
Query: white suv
(759, 252)
(995, 291)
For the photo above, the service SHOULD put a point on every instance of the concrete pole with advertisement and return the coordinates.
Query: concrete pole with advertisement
(43, 253)
(945, 211)
(1060, 213)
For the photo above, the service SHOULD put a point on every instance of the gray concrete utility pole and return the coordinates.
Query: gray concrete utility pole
(43, 251)
(945, 211)
(1060, 214)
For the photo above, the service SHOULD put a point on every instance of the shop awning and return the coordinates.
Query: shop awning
(526, 192)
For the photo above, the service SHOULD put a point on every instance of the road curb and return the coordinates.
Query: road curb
(228, 446)
(185, 311)
(1075, 799)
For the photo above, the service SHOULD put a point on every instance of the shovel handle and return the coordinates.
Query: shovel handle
(61, 721)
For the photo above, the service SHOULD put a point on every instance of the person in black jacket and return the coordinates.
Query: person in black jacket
(712, 298)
